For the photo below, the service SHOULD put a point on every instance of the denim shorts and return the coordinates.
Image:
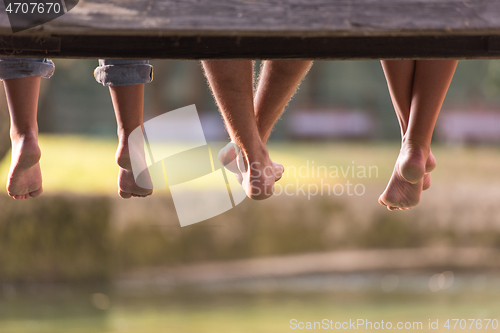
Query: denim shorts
(14, 68)
(109, 72)
(114, 72)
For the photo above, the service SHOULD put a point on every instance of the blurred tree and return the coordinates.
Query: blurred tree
(492, 82)
(158, 104)
(74, 103)
(46, 107)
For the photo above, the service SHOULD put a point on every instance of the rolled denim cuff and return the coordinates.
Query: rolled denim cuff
(15, 68)
(112, 73)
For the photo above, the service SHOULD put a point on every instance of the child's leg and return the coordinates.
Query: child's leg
(232, 85)
(25, 178)
(22, 85)
(417, 89)
(126, 86)
(128, 104)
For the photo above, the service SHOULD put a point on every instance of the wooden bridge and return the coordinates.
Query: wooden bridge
(264, 29)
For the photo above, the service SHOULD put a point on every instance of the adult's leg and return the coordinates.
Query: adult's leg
(278, 81)
(277, 84)
(417, 90)
(232, 84)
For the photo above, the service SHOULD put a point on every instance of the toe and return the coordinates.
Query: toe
(36, 193)
(381, 202)
(124, 195)
(279, 169)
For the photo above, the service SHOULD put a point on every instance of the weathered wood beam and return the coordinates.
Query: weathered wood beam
(192, 48)
(271, 29)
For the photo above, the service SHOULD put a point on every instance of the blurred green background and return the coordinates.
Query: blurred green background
(81, 259)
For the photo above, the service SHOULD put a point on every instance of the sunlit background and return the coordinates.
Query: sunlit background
(81, 259)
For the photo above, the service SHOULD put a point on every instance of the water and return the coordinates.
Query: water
(261, 305)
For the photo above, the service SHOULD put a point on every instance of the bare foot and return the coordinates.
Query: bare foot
(412, 161)
(127, 187)
(25, 176)
(259, 180)
(255, 172)
(122, 156)
(227, 157)
(404, 188)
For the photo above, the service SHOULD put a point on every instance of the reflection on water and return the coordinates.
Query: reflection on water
(259, 305)
(405, 282)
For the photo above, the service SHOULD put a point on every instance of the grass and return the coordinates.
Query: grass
(86, 165)
(75, 164)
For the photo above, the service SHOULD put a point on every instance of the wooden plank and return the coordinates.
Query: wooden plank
(301, 18)
(11, 45)
(195, 48)
(264, 29)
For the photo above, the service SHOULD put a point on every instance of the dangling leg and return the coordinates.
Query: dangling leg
(128, 103)
(278, 81)
(126, 79)
(418, 89)
(232, 85)
(25, 177)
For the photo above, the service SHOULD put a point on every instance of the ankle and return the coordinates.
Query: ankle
(25, 149)
(122, 157)
(412, 160)
(256, 151)
(416, 146)
(24, 135)
(123, 134)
